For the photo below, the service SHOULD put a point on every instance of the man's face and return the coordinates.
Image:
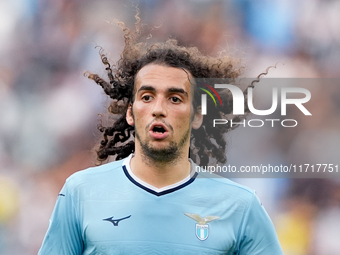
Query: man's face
(161, 112)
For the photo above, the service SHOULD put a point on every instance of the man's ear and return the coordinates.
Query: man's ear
(198, 119)
(129, 116)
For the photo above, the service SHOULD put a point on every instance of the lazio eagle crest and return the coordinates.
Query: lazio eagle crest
(202, 228)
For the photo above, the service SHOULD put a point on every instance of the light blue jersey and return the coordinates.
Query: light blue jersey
(108, 210)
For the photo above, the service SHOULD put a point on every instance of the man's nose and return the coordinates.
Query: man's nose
(159, 109)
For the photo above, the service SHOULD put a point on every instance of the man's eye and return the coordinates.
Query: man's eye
(175, 100)
(146, 98)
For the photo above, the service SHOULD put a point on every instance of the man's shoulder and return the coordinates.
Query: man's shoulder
(93, 174)
(224, 185)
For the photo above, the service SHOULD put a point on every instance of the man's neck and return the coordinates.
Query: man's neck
(160, 174)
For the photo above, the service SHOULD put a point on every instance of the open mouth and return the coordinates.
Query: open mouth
(158, 130)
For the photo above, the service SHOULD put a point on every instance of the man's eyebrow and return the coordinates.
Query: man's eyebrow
(146, 87)
(178, 90)
(170, 90)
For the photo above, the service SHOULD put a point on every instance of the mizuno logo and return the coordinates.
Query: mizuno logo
(115, 222)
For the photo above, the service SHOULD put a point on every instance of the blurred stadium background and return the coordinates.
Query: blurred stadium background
(49, 110)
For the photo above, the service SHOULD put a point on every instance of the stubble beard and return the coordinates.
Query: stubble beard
(170, 154)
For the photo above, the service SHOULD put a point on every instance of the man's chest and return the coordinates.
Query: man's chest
(158, 226)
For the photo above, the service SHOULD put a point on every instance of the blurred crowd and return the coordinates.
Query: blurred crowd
(49, 110)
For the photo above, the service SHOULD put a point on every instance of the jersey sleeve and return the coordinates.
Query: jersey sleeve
(258, 235)
(64, 233)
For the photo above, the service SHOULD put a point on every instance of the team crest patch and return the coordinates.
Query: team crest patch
(202, 228)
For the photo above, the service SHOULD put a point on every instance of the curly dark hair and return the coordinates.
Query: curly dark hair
(207, 141)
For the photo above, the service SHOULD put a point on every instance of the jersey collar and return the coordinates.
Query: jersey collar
(158, 191)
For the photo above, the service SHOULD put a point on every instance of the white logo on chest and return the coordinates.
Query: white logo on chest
(202, 228)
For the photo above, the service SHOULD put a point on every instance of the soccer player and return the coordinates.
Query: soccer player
(150, 200)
